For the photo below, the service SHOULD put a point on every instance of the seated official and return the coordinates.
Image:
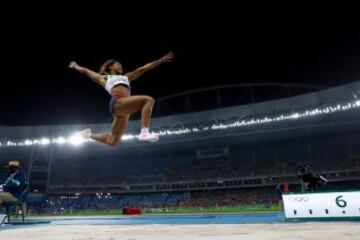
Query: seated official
(14, 185)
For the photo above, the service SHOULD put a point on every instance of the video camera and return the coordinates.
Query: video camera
(311, 182)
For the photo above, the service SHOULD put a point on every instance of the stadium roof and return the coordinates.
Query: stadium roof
(333, 99)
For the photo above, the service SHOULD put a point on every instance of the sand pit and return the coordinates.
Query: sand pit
(308, 231)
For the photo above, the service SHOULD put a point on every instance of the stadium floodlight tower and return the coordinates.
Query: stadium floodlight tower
(40, 166)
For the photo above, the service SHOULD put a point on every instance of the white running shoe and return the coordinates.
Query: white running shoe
(146, 136)
(86, 133)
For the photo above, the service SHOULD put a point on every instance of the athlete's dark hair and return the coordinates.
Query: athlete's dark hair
(104, 68)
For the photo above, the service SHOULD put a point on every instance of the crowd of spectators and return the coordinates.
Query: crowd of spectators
(205, 199)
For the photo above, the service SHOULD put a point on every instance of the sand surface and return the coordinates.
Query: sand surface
(301, 231)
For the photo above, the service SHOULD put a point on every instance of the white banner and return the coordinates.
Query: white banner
(322, 205)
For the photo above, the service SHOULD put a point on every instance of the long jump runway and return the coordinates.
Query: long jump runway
(236, 226)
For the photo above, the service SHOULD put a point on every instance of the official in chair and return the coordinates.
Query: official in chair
(14, 186)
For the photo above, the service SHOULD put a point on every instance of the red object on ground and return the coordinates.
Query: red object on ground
(131, 211)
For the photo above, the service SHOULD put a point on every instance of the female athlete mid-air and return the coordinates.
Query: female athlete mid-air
(122, 104)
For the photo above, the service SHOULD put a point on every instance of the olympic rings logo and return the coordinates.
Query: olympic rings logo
(299, 199)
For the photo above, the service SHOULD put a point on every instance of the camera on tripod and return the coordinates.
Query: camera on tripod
(311, 182)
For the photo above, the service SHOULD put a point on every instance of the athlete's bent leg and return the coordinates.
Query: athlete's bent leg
(133, 104)
(119, 126)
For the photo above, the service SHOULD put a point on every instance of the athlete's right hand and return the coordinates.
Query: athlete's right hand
(168, 58)
(73, 65)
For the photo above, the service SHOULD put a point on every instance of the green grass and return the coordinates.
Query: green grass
(210, 210)
(107, 212)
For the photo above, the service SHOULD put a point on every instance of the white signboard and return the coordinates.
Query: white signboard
(322, 205)
(2, 218)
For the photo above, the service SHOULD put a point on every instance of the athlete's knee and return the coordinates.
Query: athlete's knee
(150, 100)
(113, 141)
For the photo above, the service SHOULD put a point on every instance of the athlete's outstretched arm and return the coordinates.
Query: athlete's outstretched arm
(96, 77)
(141, 70)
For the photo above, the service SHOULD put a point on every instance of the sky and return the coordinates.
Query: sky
(212, 48)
